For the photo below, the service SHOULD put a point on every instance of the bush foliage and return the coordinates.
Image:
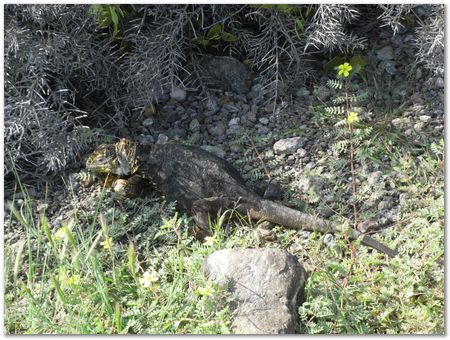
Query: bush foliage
(70, 67)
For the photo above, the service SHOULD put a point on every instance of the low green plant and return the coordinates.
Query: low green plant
(352, 134)
(366, 294)
(108, 16)
(215, 36)
(85, 278)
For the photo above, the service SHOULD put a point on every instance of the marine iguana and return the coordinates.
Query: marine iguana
(201, 183)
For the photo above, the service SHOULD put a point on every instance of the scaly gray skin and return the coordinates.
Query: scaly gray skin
(202, 183)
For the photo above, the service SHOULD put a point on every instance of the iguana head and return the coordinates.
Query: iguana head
(118, 159)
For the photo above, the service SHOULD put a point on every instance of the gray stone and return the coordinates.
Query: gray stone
(391, 214)
(269, 107)
(147, 122)
(233, 129)
(255, 91)
(218, 129)
(301, 152)
(263, 130)
(265, 284)
(227, 73)
(145, 139)
(234, 121)
(194, 125)
(175, 132)
(425, 118)
(385, 53)
(180, 110)
(209, 113)
(388, 66)
(251, 116)
(162, 139)
(419, 73)
(264, 120)
(328, 240)
(212, 103)
(257, 87)
(374, 177)
(231, 107)
(178, 94)
(288, 145)
(397, 122)
(323, 93)
(304, 184)
(314, 182)
(208, 120)
(383, 221)
(397, 40)
(245, 108)
(214, 150)
(440, 82)
(310, 165)
(418, 126)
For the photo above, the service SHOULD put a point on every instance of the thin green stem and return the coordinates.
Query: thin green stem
(352, 158)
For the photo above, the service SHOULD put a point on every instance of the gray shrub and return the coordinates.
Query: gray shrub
(65, 76)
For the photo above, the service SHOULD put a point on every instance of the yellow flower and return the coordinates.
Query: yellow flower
(345, 69)
(74, 280)
(209, 240)
(205, 291)
(107, 243)
(352, 117)
(148, 279)
(60, 235)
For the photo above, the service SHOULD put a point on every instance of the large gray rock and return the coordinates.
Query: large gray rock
(265, 284)
(227, 73)
(288, 145)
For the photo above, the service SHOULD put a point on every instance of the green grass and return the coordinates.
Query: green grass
(94, 276)
(79, 280)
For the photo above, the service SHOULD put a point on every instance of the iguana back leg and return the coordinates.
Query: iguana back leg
(204, 209)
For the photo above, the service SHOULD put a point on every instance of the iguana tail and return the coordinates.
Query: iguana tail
(280, 214)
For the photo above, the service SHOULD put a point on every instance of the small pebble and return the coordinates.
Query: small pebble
(440, 82)
(178, 94)
(425, 118)
(147, 122)
(162, 139)
(264, 120)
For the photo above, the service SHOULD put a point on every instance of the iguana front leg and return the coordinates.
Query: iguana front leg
(133, 187)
